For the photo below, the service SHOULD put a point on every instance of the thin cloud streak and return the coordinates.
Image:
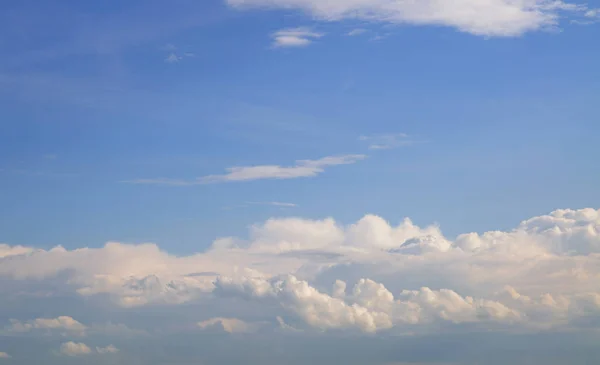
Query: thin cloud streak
(301, 169)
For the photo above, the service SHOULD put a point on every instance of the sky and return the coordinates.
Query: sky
(375, 182)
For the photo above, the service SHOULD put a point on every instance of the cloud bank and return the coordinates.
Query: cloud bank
(369, 276)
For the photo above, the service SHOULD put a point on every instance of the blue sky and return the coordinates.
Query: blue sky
(506, 125)
(178, 123)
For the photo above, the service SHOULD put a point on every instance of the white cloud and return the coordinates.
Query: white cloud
(110, 349)
(294, 37)
(369, 276)
(486, 18)
(75, 349)
(302, 168)
(592, 13)
(388, 141)
(4, 355)
(229, 325)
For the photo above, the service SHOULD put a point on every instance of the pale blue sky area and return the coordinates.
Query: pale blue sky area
(112, 115)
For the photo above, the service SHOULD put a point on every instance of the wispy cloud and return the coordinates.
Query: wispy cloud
(294, 37)
(357, 31)
(301, 168)
(388, 141)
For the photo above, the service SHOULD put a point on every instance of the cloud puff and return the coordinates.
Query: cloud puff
(75, 349)
(302, 168)
(486, 18)
(368, 276)
(294, 37)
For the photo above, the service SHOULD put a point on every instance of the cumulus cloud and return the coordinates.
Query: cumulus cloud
(367, 276)
(502, 18)
(301, 169)
(294, 37)
(75, 349)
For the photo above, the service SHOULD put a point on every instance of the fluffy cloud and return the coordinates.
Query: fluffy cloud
(294, 37)
(368, 276)
(302, 168)
(486, 18)
(75, 349)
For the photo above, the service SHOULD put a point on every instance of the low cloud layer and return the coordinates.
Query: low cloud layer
(305, 276)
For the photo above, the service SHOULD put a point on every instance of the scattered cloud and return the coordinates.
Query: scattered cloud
(357, 31)
(4, 355)
(294, 37)
(301, 169)
(500, 18)
(592, 13)
(388, 141)
(75, 349)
